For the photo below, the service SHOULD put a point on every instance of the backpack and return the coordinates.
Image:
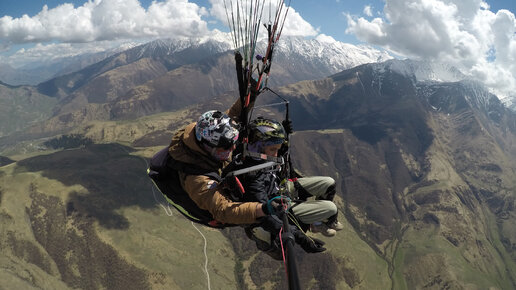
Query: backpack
(164, 172)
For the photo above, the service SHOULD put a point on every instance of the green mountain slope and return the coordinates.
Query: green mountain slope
(74, 219)
(21, 107)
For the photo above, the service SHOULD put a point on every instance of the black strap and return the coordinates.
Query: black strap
(242, 89)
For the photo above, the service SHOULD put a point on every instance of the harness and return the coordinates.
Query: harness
(164, 172)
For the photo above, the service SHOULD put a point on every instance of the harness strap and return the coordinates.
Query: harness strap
(252, 168)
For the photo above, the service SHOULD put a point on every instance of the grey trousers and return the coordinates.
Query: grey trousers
(318, 210)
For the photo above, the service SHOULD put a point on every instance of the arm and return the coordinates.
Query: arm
(207, 195)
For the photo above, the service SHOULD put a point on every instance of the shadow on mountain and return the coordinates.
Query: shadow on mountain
(372, 111)
(113, 178)
(5, 161)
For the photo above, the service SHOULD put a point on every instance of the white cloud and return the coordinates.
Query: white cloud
(98, 20)
(66, 29)
(368, 10)
(463, 32)
(106, 20)
(295, 25)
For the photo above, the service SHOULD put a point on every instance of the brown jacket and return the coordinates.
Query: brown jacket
(204, 191)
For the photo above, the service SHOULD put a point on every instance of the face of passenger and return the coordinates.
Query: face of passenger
(272, 150)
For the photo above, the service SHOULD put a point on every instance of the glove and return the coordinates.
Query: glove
(310, 245)
(275, 205)
(287, 125)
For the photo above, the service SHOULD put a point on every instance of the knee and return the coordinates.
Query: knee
(328, 181)
(331, 208)
(329, 188)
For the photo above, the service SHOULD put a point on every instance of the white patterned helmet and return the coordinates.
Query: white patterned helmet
(217, 130)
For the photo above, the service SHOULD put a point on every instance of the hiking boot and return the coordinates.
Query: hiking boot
(323, 229)
(336, 225)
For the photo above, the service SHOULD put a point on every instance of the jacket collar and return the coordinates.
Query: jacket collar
(191, 142)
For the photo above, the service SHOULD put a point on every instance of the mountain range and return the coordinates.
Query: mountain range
(41, 69)
(168, 74)
(423, 159)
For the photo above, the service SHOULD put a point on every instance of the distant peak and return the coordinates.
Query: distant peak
(423, 70)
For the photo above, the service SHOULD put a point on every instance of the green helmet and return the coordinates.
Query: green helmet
(266, 132)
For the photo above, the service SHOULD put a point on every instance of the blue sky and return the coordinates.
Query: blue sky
(327, 15)
(479, 37)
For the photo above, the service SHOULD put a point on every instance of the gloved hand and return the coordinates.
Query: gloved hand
(275, 205)
(310, 245)
(287, 125)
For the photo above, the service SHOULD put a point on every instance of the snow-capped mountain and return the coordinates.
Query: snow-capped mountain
(335, 56)
(509, 101)
(326, 57)
(431, 79)
(163, 47)
(331, 57)
(423, 70)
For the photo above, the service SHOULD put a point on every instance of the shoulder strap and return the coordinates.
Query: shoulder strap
(252, 168)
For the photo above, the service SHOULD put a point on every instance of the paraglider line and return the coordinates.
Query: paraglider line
(205, 256)
(283, 252)
(167, 209)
